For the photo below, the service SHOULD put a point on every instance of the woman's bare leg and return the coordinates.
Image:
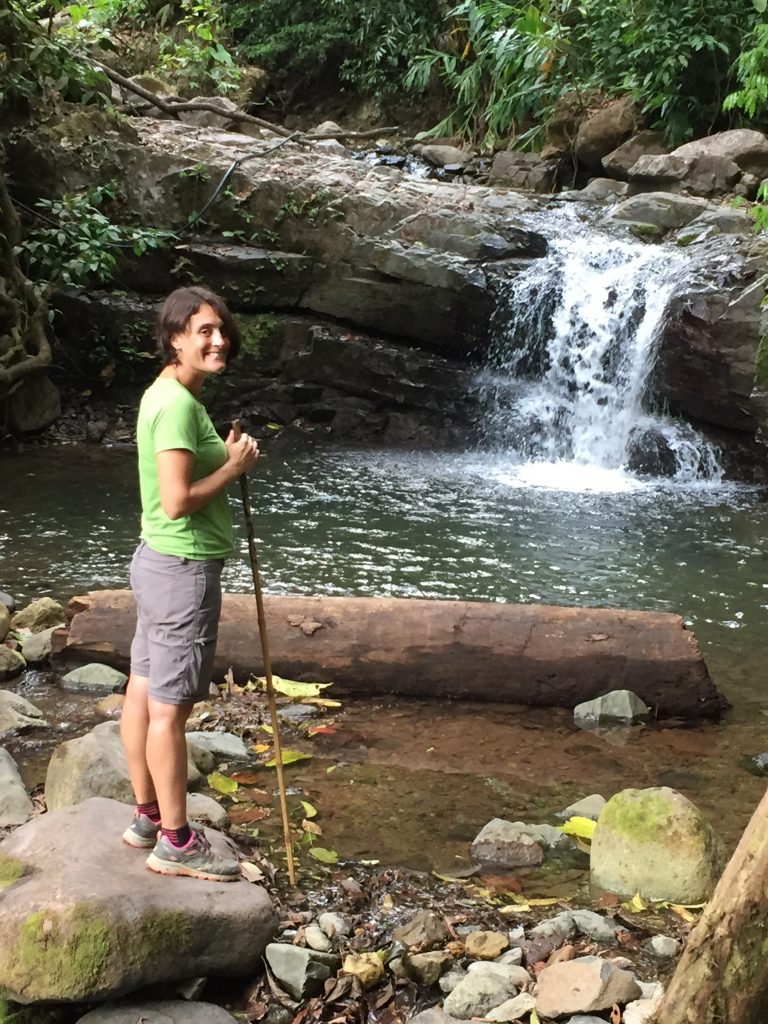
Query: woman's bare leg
(134, 725)
(166, 748)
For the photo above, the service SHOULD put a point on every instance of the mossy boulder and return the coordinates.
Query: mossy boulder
(82, 919)
(657, 843)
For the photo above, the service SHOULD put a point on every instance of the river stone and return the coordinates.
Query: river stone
(206, 810)
(526, 171)
(434, 1015)
(588, 807)
(224, 746)
(7, 602)
(15, 805)
(17, 714)
(642, 1011)
(506, 844)
(511, 974)
(301, 972)
(95, 678)
(663, 947)
(12, 663)
(616, 706)
(166, 1011)
(5, 621)
(478, 993)
(424, 929)
(39, 615)
(442, 156)
(98, 925)
(657, 843)
(428, 968)
(315, 938)
(334, 924)
(94, 765)
(36, 647)
(514, 1009)
(603, 130)
(482, 945)
(33, 404)
(583, 985)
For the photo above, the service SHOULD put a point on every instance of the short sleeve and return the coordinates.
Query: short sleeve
(175, 426)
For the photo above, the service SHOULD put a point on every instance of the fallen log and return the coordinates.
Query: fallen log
(525, 654)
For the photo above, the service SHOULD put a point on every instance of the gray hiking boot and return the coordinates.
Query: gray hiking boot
(142, 832)
(196, 859)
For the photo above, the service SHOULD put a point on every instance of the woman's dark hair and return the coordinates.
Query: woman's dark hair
(180, 307)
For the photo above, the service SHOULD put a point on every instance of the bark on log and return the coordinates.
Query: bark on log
(527, 654)
(722, 976)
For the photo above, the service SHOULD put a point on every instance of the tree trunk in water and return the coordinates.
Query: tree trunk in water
(722, 977)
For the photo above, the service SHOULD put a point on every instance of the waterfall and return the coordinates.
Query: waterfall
(570, 369)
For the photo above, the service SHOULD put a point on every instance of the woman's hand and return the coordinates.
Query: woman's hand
(242, 452)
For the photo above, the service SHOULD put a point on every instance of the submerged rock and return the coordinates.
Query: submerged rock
(618, 706)
(98, 925)
(657, 843)
(18, 715)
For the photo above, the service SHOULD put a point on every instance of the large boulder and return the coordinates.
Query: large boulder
(525, 171)
(703, 175)
(15, 805)
(604, 130)
(747, 148)
(96, 924)
(660, 209)
(18, 715)
(94, 765)
(619, 162)
(33, 405)
(657, 843)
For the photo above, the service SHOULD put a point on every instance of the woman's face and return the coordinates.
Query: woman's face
(202, 347)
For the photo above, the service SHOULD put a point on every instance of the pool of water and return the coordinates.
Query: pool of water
(445, 526)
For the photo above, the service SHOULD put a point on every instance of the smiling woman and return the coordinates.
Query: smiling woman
(186, 533)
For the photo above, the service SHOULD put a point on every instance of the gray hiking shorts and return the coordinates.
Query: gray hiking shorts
(178, 604)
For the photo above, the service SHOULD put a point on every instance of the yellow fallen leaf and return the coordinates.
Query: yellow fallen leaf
(261, 748)
(222, 784)
(683, 912)
(580, 827)
(322, 702)
(288, 757)
(294, 689)
(267, 729)
(309, 810)
(543, 901)
(636, 905)
(515, 908)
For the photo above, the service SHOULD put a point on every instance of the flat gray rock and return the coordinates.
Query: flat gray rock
(167, 1011)
(100, 925)
(223, 745)
(17, 714)
(95, 678)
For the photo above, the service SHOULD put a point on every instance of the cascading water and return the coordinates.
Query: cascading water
(576, 337)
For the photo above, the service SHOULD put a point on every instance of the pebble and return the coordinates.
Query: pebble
(512, 956)
(427, 968)
(510, 974)
(334, 924)
(514, 1009)
(315, 938)
(485, 945)
(663, 947)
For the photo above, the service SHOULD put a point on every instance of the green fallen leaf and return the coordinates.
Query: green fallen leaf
(289, 757)
(331, 768)
(292, 688)
(309, 810)
(323, 855)
(267, 729)
(582, 828)
(222, 783)
(534, 1018)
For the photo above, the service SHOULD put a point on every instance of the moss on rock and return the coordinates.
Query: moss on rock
(79, 952)
(11, 871)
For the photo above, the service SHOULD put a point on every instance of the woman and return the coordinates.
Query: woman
(186, 533)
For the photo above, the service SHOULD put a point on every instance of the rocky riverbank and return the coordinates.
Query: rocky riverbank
(501, 938)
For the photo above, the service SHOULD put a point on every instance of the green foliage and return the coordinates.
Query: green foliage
(752, 75)
(78, 244)
(35, 65)
(363, 46)
(505, 62)
(201, 58)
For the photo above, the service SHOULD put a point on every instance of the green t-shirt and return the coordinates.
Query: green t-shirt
(171, 417)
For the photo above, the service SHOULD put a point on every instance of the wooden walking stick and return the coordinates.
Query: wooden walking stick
(267, 663)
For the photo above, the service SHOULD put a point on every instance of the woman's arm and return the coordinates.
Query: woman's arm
(179, 496)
